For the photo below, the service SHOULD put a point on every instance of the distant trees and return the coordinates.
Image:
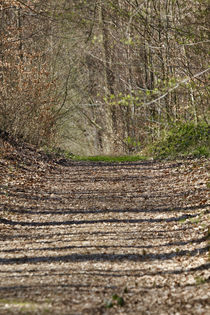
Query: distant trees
(111, 75)
(146, 66)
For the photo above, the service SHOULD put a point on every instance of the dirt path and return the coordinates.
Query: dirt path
(76, 239)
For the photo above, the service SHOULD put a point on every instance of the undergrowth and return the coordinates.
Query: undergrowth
(183, 140)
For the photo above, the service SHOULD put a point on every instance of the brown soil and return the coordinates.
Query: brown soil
(77, 238)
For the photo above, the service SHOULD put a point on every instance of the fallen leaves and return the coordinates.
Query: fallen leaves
(78, 235)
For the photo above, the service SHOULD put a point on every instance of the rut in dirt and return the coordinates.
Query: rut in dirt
(82, 237)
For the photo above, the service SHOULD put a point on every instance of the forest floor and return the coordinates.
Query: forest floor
(102, 238)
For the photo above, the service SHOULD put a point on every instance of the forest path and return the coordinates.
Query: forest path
(74, 236)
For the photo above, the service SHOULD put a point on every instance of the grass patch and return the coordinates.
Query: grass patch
(59, 153)
(110, 159)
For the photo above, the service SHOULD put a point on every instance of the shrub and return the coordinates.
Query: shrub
(184, 139)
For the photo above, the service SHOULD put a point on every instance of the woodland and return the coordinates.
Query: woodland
(104, 157)
(104, 77)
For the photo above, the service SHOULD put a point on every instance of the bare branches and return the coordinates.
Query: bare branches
(177, 85)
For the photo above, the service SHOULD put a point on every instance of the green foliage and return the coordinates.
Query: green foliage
(199, 280)
(132, 144)
(182, 220)
(121, 99)
(109, 304)
(184, 139)
(115, 300)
